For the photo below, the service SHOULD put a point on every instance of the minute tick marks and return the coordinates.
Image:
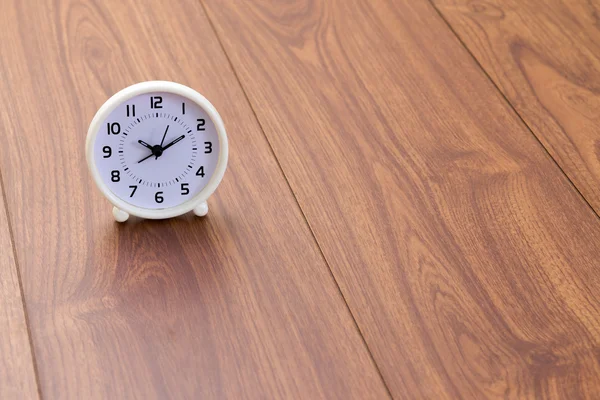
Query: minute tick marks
(157, 151)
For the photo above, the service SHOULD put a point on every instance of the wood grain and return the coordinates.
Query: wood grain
(17, 371)
(467, 258)
(543, 55)
(237, 305)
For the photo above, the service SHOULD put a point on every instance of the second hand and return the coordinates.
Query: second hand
(163, 138)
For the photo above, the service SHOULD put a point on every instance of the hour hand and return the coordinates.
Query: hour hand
(144, 144)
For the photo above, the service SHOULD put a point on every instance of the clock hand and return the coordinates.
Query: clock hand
(180, 138)
(145, 158)
(163, 139)
(144, 144)
(158, 150)
(165, 135)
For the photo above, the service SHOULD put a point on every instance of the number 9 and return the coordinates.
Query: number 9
(107, 151)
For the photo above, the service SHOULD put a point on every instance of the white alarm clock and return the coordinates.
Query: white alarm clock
(157, 150)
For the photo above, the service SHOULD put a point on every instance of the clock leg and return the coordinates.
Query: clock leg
(120, 215)
(201, 209)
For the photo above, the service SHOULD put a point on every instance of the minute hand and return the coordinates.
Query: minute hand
(173, 142)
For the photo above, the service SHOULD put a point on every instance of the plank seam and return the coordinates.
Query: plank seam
(22, 292)
(512, 107)
(212, 25)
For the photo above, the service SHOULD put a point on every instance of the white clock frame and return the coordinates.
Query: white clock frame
(198, 203)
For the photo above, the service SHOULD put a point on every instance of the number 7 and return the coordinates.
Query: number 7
(134, 189)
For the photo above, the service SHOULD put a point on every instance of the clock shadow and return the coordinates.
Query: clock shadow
(159, 280)
(183, 257)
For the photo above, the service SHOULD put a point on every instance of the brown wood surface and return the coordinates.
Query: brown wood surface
(544, 56)
(467, 257)
(237, 305)
(17, 370)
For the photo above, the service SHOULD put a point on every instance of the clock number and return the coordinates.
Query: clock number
(207, 147)
(115, 175)
(134, 187)
(113, 128)
(155, 102)
(108, 151)
(132, 110)
(200, 126)
(183, 108)
(158, 197)
(200, 172)
(184, 189)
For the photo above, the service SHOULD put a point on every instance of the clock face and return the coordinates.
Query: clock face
(156, 150)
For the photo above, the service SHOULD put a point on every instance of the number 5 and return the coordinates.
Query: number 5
(184, 189)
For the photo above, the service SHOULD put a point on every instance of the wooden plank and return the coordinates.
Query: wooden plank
(543, 55)
(237, 305)
(17, 371)
(467, 258)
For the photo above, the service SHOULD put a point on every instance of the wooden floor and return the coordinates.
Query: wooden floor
(410, 209)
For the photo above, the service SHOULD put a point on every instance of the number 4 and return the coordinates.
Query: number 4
(200, 172)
